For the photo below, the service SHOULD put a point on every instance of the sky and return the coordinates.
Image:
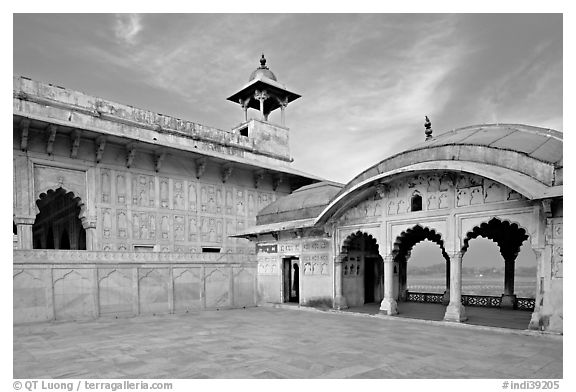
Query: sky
(366, 80)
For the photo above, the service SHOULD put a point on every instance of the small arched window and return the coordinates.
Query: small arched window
(416, 202)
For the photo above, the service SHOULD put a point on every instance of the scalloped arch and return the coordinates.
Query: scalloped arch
(358, 233)
(62, 191)
(492, 229)
(409, 238)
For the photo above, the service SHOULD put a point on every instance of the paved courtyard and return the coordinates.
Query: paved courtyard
(278, 343)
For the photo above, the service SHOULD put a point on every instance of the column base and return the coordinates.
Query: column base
(446, 298)
(389, 307)
(340, 302)
(508, 301)
(535, 323)
(455, 313)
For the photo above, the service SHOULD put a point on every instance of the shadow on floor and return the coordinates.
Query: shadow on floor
(492, 317)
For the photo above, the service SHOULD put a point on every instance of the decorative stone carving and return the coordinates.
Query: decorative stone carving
(106, 223)
(121, 188)
(164, 193)
(192, 197)
(179, 228)
(164, 227)
(121, 224)
(178, 195)
(105, 186)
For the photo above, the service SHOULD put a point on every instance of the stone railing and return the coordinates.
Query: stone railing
(73, 285)
(487, 301)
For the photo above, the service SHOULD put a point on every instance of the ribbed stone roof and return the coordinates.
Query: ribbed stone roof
(539, 143)
(305, 202)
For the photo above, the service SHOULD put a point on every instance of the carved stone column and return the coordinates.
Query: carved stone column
(446, 298)
(389, 305)
(508, 298)
(25, 235)
(91, 239)
(339, 299)
(455, 310)
(536, 318)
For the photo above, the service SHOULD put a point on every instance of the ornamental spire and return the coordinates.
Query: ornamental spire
(428, 131)
(263, 62)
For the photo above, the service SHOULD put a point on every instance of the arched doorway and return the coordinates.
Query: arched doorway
(509, 237)
(57, 225)
(362, 270)
(402, 252)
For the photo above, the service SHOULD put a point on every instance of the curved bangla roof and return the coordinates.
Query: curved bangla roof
(525, 158)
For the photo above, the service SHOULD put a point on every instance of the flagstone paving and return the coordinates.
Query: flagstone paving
(278, 343)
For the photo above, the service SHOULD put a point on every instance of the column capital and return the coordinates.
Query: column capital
(88, 222)
(388, 258)
(24, 220)
(261, 95)
(455, 255)
(339, 259)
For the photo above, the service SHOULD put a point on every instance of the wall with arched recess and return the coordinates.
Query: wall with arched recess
(356, 248)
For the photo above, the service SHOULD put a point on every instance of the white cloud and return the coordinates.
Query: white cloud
(127, 27)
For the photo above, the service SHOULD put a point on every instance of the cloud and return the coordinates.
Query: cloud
(127, 27)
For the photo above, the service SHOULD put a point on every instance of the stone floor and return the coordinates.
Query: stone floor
(278, 343)
(492, 317)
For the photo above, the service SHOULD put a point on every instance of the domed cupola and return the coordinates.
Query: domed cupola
(264, 93)
(262, 70)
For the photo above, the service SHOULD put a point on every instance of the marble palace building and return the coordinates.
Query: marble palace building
(120, 211)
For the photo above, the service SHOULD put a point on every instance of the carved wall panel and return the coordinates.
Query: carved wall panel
(205, 213)
(179, 228)
(217, 288)
(121, 188)
(187, 289)
(32, 295)
(164, 194)
(115, 293)
(106, 186)
(243, 287)
(178, 192)
(74, 293)
(122, 224)
(153, 290)
(192, 197)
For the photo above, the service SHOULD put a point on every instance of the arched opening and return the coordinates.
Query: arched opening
(509, 238)
(362, 270)
(402, 253)
(416, 202)
(57, 225)
(426, 269)
(482, 268)
(14, 228)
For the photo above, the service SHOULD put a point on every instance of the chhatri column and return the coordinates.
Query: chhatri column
(261, 96)
(389, 305)
(508, 298)
(339, 299)
(455, 310)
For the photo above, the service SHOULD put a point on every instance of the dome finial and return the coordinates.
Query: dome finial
(263, 61)
(428, 126)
